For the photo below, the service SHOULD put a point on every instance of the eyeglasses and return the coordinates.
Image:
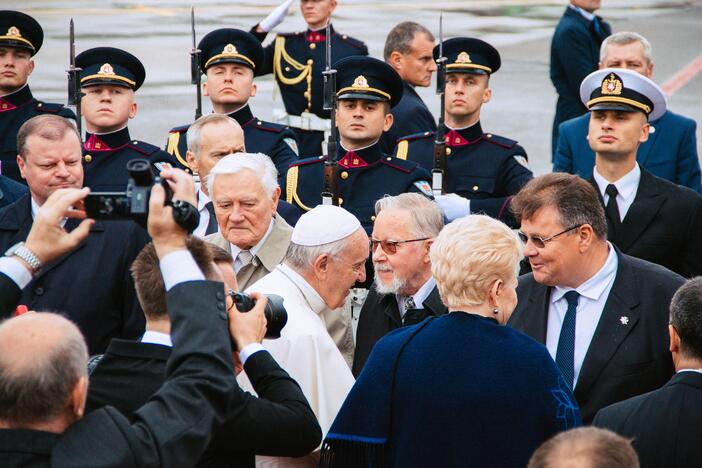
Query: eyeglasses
(390, 247)
(540, 242)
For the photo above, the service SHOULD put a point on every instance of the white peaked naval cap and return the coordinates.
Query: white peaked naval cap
(324, 224)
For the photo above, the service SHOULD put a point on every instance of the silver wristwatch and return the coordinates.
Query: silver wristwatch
(19, 250)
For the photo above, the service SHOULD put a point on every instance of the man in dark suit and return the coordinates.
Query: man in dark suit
(404, 292)
(664, 424)
(575, 49)
(49, 357)
(279, 422)
(409, 50)
(647, 217)
(600, 313)
(671, 149)
(91, 284)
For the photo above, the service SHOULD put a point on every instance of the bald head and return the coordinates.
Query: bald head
(43, 357)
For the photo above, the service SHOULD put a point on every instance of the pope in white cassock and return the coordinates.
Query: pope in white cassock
(327, 255)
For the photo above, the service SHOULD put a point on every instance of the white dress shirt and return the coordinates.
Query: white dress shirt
(253, 250)
(164, 339)
(202, 200)
(627, 186)
(593, 296)
(419, 297)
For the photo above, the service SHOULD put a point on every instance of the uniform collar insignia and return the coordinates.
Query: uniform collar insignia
(463, 57)
(106, 69)
(612, 85)
(360, 82)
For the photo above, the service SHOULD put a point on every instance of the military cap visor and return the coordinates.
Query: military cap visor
(367, 78)
(469, 55)
(110, 66)
(624, 90)
(229, 45)
(20, 31)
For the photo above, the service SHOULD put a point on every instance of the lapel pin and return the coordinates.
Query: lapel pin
(624, 320)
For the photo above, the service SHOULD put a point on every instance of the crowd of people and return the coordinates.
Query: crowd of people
(442, 305)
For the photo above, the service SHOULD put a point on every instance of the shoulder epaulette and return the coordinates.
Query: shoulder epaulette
(306, 161)
(500, 140)
(143, 147)
(180, 129)
(399, 164)
(416, 136)
(267, 126)
(290, 34)
(353, 41)
(50, 107)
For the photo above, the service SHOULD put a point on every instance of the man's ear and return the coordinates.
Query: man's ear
(22, 166)
(191, 160)
(321, 265)
(389, 119)
(674, 340)
(133, 110)
(77, 398)
(276, 198)
(205, 92)
(395, 60)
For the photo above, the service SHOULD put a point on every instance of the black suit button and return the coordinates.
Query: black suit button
(223, 315)
(221, 306)
(38, 290)
(220, 295)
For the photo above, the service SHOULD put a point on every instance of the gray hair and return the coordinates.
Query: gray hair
(301, 257)
(626, 38)
(686, 317)
(401, 36)
(47, 126)
(37, 390)
(259, 163)
(193, 135)
(427, 217)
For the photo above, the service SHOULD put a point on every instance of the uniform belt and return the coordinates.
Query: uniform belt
(304, 121)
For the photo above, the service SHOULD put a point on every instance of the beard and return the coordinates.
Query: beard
(395, 286)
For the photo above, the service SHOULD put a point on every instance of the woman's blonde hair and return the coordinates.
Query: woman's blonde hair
(471, 253)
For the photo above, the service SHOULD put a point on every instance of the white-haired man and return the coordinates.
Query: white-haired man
(326, 257)
(245, 192)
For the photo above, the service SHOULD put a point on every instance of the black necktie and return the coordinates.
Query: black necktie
(212, 223)
(612, 211)
(565, 351)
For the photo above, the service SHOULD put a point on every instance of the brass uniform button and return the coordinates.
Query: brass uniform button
(373, 218)
(341, 201)
(448, 151)
(287, 68)
(88, 158)
(313, 45)
(259, 123)
(389, 158)
(39, 105)
(344, 175)
(475, 188)
(489, 135)
(310, 61)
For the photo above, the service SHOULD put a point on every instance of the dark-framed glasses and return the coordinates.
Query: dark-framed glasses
(390, 247)
(540, 242)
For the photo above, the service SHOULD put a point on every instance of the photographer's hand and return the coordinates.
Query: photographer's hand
(166, 234)
(182, 184)
(248, 327)
(47, 239)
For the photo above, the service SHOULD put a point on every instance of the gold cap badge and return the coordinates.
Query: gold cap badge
(229, 49)
(360, 82)
(463, 57)
(14, 32)
(106, 69)
(612, 85)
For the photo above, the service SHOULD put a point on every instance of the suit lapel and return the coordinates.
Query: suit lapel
(433, 303)
(647, 204)
(537, 317)
(71, 224)
(391, 309)
(619, 317)
(19, 219)
(645, 149)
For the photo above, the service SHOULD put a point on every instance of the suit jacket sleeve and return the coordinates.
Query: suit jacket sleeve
(279, 422)
(688, 170)
(10, 295)
(692, 255)
(267, 66)
(133, 321)
(574, 55)
(563, 159)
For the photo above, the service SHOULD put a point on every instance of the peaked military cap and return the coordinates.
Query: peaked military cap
(469, 55)
(20, 30)
(228, 45)
(360, 77)
(108, 65)
(620, 89)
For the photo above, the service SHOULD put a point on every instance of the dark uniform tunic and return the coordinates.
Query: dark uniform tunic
(410, 116)
(274, 140)
(16, 109)
(297, 60)
(364, 177)
(105, 158)
(485, 168)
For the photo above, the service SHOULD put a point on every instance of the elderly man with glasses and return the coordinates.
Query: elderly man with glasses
(404, 292)
(601, 314)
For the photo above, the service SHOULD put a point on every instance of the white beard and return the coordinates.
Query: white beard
(394, 287)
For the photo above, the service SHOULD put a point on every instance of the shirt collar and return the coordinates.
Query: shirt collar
(158, 338)
(627, 185)
(699, 371)
(311, 295)
(202, 199)
(585, 14)
(254, 250)
(597, 284)
(421, 295)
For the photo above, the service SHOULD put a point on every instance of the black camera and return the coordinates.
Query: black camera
(276, 315)
(133, 203)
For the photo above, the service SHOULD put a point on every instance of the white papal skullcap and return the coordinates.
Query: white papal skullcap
(324, 224)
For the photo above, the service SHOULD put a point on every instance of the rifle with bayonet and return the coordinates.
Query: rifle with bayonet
(439, 170)
(195, 74)
(74, 92)
(330, 191)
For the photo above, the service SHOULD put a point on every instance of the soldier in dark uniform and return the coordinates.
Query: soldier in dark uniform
(483, 170)
(20, 39)
(367, 88)
(230, 58)
(297, 60)
(108, 80)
